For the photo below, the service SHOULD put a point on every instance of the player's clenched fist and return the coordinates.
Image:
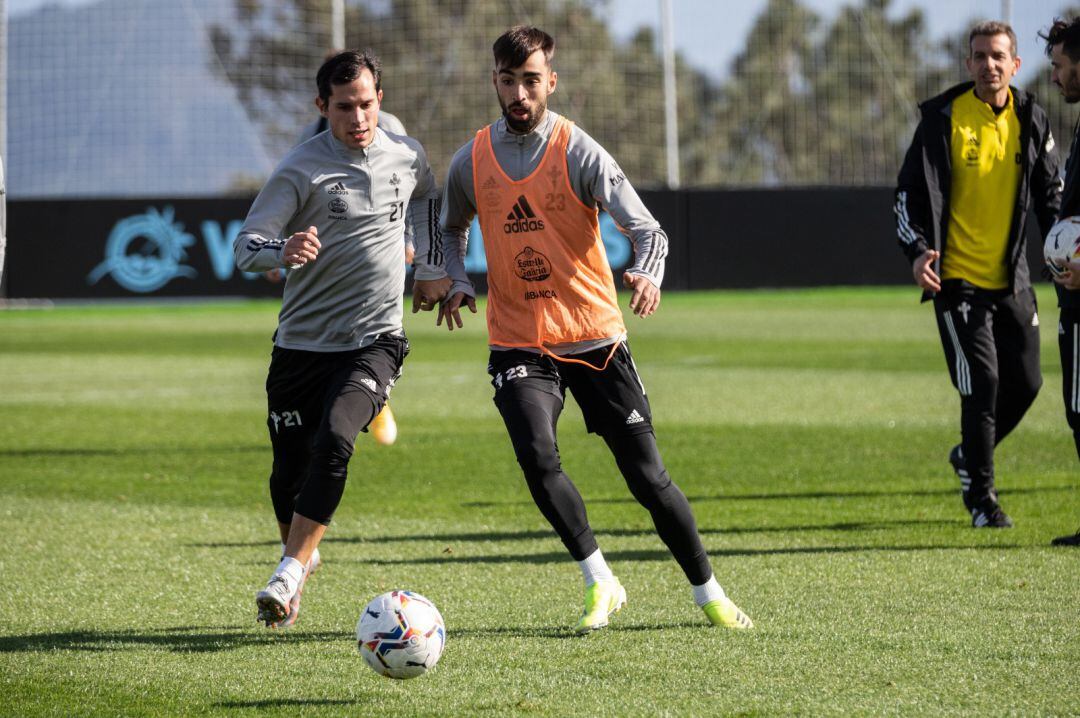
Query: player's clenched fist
(301, 248)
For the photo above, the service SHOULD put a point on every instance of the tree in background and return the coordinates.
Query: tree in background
(1063, 117)
(437, 69)
(762, 110)
(870, 74)
(807, 102)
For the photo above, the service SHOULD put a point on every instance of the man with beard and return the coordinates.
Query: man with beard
(982, 158)
(1063, 49)
(537, 181)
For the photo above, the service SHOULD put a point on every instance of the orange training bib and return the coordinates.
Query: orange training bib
(549, 281)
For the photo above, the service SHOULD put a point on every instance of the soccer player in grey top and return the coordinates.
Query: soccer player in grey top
(384, 426)
(333, 213)
(523, 205)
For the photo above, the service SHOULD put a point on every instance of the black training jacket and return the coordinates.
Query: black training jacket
(1070, 206)
(922, 187)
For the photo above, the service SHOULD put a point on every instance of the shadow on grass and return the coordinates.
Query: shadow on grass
(646, 555)
(952, 491)
(542, 534)
(198, 639)
(561, 631)
(238, 544)
(286, 703)
(512, 632)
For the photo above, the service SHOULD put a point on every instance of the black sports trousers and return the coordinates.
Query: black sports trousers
(318, 404)
(991, 342)
(530, 391)
(1069, 349)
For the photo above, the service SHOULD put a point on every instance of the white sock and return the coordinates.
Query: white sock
(708, 591)
(594, 568)
(314, 555)
(292, 568)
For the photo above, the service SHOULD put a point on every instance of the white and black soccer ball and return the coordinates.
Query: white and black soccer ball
(1062, 245)
(401, 634)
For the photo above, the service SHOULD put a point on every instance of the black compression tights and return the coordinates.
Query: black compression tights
(640, 463)
(532, 434)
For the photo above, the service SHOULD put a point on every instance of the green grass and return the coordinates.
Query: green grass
(809, 428)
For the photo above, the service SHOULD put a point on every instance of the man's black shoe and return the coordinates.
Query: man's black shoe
(1073, 540)
(988, 514)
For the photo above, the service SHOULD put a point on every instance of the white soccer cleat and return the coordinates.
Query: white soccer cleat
(294, 603)
(279, 602)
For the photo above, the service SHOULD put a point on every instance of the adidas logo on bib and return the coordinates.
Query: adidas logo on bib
(635, 417)
(522, 218)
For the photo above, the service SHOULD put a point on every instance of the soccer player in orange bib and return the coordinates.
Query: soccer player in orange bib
(537, 181)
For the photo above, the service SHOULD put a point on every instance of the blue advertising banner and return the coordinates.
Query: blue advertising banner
(161, 248)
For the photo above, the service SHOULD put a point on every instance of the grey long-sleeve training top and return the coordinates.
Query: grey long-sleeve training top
(360, 201)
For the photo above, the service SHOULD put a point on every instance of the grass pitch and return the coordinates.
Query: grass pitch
(809, 428)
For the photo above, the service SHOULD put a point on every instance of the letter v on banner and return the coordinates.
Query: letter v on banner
(219, 246)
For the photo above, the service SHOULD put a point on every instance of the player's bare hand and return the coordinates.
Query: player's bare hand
(924, 273)
(451, 310)
(427, 293)
(1071, 278)
(645, 297)
(302, 247)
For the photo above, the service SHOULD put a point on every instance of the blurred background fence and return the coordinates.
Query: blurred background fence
(201, 98)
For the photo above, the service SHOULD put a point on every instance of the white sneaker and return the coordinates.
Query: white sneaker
(276, 601)
(294, 603)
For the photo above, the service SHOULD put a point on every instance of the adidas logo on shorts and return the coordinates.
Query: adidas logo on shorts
(635, 417)
(369, 383)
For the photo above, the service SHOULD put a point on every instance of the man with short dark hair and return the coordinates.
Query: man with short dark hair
(982, 156)
(1063, 49)
(384, 426)
(536, 182)
(333, 213)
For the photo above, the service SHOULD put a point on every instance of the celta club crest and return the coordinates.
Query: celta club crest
(145, 252)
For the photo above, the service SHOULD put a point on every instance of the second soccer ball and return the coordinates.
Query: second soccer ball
(1062, 245)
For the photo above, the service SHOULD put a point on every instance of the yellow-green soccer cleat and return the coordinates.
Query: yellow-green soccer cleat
(602, 599)
(723, 612)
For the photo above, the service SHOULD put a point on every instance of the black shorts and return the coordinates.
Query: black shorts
(613, 401)
(302, 386)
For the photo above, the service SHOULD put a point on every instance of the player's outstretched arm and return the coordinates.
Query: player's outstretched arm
(450, 309)
(645, 297)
